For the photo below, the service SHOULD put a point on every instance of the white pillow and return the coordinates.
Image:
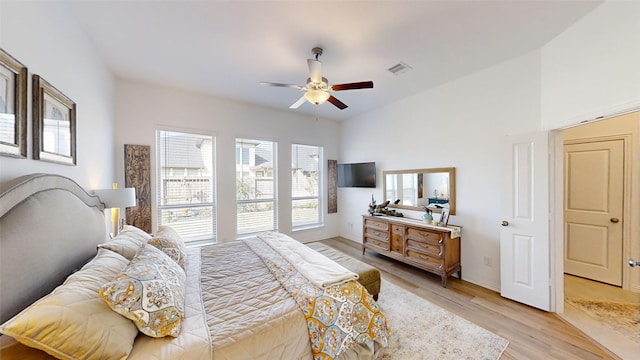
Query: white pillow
(127, 242)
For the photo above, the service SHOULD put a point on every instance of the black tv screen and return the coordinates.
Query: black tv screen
(357, 175)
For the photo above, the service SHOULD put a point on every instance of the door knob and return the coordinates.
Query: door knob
(505, 223)
(633, 263)
(615, 220)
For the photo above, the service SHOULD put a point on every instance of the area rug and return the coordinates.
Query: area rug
(422, 330)
(619, 316)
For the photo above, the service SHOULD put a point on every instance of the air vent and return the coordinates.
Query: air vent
(400, 68)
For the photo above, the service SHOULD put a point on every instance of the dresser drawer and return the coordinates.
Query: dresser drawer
(423, 258)
(397, 229)
(423, 235)
(375, 224)
(376, 233)
(434, 250)
(384, 245)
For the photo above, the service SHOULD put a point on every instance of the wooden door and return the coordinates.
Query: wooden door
(524, 234)
(593, 182)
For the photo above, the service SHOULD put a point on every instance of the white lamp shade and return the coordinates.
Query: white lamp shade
(316, 96)
(117, 198)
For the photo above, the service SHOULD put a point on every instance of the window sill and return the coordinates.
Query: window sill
(307, 227)
(198, 243)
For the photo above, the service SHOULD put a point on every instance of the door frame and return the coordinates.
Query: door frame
(556, 194)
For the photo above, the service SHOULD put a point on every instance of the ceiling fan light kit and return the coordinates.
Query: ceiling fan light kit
(316, 97)
(317, 88)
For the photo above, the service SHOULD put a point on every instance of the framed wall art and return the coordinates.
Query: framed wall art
(54, 124)
(332, 200)
(13, 107)
(137, 174)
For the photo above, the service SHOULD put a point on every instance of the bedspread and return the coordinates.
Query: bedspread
(337, 317)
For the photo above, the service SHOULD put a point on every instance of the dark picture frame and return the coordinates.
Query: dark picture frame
(54, 124)
(13, 106)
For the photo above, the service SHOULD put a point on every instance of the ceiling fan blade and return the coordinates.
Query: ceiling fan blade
(297, 104)
(339, 104)
(315, 70)
(283, 85)
(353, 86)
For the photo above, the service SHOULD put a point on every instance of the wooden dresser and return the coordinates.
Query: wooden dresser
(432, 248)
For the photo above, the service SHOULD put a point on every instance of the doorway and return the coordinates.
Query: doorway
(600, 293)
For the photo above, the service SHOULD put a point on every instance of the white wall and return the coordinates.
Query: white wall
(46, 39)
(460, 124)
(593, 68)
(141, 109)
(589, 70)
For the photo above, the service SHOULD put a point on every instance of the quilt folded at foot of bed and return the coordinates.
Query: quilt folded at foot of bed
(337, 317)
(319, 269)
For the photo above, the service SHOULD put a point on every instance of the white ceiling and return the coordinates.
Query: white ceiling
(227, 48)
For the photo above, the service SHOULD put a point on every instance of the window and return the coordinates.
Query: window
(256, 186)
(185, 183)
(306, 175)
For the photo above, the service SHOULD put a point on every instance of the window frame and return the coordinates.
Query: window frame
(320, 189)
(159, 185)
(241, 168)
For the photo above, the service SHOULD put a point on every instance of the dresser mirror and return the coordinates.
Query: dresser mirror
(413, 189)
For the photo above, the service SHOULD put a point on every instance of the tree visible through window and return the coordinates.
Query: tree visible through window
(255, 186)
(306, 175)
(185, 182)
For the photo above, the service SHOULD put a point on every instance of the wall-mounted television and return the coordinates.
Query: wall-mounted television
(357, 175)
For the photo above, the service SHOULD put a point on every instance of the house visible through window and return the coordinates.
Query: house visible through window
(256, 186)
(185, 183)
(306, 176)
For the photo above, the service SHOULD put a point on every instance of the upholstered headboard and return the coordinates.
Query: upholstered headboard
(49, 227)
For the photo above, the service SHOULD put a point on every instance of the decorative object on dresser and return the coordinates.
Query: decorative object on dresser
(13, 106)
(54, 124)
(137, 174)
(432, 248)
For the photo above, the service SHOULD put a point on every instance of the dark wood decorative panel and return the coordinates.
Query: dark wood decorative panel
(137, 174)
(332, 203)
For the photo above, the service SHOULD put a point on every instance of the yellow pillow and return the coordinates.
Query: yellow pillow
(72, 322)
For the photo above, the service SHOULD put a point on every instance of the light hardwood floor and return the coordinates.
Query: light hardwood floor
(532, 333)
(577, 287)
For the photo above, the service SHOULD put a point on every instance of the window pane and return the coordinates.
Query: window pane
(254, 217)
(305, 212)
(189, 222)
(306, 175)
(255, 186)
(186, 184)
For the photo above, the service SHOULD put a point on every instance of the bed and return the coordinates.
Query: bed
(61, 289)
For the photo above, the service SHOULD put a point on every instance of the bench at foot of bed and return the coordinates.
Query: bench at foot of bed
(369, 276)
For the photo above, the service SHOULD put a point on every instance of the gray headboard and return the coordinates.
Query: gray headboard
(49, 227)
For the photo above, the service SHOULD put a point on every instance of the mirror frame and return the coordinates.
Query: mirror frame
(452, 186)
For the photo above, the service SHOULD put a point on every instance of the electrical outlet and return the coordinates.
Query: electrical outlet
(487, 261)
(350, 225)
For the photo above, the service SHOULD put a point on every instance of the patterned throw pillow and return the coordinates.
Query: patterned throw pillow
(168, 240)
(150, 291)
(128, 241)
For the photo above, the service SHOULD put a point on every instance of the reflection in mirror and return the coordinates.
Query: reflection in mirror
(413, 189)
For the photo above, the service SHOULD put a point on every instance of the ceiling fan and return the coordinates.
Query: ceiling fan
(317, 90)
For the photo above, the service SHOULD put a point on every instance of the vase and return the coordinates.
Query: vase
(428, 218)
